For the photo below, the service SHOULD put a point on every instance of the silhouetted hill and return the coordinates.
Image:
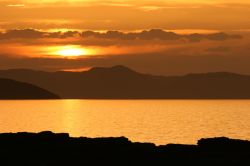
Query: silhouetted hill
(120, 82)
(10, 89)
(113, 71)
(49, 149)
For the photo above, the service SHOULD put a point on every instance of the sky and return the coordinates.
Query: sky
(125, 14)
(188, 36)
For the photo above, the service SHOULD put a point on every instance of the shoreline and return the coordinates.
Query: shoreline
(47, 148)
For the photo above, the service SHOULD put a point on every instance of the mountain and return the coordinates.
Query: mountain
(18, 90)
(120, 82)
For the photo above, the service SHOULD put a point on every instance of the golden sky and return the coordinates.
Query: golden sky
(36, 43)
(155, 51)
(125, 14)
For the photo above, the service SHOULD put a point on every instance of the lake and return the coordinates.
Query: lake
(156, 121)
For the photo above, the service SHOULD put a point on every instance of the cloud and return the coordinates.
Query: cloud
(35, 34)
(16, 5)
(125, 16)
(219, 49)
(153, 34)
(143, 35)
(25, 33)
(151, 8)
(160, 35)
(214, 36)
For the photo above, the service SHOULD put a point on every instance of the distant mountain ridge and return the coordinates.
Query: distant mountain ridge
(10, 89)
(120, 82)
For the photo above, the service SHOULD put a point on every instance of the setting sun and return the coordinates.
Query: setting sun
(69, 51)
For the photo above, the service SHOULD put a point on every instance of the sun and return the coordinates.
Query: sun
(71, 51)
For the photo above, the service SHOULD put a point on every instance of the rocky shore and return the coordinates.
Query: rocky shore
(50, 149)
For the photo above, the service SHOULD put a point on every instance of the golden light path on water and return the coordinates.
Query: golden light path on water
(157, 121)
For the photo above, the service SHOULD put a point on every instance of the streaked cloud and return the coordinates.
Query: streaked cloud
(16, 5)
(126, 15)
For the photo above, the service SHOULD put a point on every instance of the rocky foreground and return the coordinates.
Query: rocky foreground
(47, 148)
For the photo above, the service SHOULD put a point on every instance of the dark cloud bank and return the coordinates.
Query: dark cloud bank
(143, 35)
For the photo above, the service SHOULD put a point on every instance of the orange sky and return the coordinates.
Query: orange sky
(125, 14)
(37, 44)
(154, 51)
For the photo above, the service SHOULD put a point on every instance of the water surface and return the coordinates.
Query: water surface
(157, 121)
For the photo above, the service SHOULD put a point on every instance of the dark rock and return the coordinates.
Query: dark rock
(49, 149)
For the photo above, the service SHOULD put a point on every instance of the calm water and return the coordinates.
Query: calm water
(157, 121)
